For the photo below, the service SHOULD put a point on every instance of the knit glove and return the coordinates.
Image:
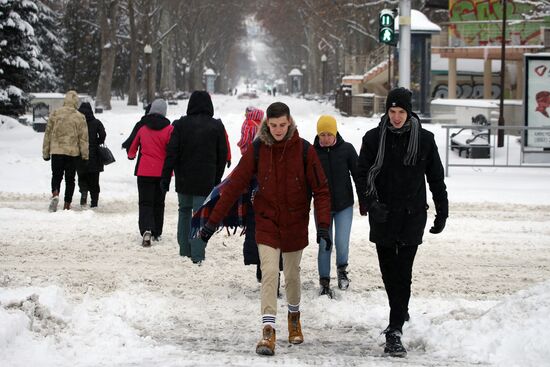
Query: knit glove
(439, 224)
(206, 232)
(322, 234)
(164, 185)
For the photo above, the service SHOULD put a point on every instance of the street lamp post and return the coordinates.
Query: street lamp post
(304, 79)
(324, 74)
(148, 50)
(184, 69)
(500, 132)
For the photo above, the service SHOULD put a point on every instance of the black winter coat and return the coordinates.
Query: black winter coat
(338, 162)
(197, 150)
(402, 188)
(96, 137)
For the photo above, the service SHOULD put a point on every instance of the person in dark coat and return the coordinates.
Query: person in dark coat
(126, 144)
(281, 207)
(339, 160)
(396, 160)
(88, 171)
(197, 153)
(151, 140)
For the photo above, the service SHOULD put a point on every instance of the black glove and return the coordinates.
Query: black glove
(322, 233)
(206, 232)
(439, 224)
(363, 208)
(47, 159)
(378, 211)
(228, 164)
(164, 184)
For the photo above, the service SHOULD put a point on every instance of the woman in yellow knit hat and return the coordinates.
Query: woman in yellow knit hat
(339, 161)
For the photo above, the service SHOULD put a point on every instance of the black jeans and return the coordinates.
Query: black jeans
(151, 205)
(87, 180)
(64, 165)
(396, 264)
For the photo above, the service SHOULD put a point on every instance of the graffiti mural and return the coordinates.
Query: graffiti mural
(466, 91)
(482, 27)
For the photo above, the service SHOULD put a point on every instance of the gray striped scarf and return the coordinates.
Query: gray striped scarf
(412, 125)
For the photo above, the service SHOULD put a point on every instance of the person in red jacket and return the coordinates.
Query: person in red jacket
(281, 207)
(151, 139)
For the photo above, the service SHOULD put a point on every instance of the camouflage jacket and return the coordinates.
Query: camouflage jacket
(66, 131)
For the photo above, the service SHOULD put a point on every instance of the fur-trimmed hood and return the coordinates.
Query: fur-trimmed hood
(265, 136)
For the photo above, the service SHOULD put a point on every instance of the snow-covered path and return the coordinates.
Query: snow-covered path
(76, 289)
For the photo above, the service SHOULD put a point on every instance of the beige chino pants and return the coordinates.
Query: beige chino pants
(269, 258)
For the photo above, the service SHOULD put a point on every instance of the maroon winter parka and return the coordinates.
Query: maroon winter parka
(282, 203)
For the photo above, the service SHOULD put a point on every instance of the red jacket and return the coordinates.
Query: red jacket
(152, 147)
(282, 204)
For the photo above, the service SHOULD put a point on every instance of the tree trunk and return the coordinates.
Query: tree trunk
(132, 87)
(108, 24)
(168, 71)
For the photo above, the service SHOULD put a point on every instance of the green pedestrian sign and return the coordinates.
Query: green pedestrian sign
(387, 27)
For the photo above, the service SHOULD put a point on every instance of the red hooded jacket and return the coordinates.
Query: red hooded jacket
(282, 203)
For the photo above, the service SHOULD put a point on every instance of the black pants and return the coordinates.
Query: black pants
(396, 264)
(151, 205)
(64, 165)
(88, 181)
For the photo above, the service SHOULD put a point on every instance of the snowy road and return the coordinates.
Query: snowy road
(210, 314)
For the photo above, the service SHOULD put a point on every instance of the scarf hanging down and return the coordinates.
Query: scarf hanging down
(412, 125)
(236, 217)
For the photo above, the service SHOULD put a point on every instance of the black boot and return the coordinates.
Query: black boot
(83, 198)
(343, 281)
(94, 197)
(394, 347)
(325, 288)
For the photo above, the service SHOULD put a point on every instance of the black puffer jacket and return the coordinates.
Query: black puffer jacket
(96, 137)
(402, 188)
(338, 162)
(197, 150)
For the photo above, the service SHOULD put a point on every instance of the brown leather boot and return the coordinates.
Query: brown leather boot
(295, 335)
(67, 206)
(266, 345)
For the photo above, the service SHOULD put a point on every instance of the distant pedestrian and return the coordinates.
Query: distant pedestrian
(397, 158)
(151, 140)
(88, 171)
(197, 153)
(65, 142)
(339, 160)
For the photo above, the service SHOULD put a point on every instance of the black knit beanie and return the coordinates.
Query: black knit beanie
(400, 97)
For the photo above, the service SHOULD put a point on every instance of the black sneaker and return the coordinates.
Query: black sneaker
(343, 280)
(325, 288)
(394, 347)
(146, 239)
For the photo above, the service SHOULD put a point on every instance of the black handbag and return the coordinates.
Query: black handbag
(105, 155)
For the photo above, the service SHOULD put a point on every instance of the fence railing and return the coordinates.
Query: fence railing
(512, 154)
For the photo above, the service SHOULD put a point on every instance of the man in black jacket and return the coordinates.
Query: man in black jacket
(197, 154)
(394, 161)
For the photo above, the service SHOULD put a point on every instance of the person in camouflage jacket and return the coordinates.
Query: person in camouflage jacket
(65, 140)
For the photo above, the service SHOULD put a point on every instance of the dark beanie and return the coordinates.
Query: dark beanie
(400, 97)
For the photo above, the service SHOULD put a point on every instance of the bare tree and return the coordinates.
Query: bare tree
(108, 24)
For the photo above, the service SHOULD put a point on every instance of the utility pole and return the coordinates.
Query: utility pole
(500, 132)
(405, 43)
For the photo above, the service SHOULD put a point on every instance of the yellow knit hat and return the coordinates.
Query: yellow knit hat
(326, 124)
